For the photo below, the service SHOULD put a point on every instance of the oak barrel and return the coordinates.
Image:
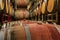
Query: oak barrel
(34, 32)
(22, 2)
(52, 5)
(1, 4)
(43, 8)
(22, 13)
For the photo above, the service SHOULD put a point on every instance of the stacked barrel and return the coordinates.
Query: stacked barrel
(22, 12)
(52, 6)
(49, 10)
(49, 6)
(20, 9)
(4, 17)
(1, 4)
(45, 8)
(52, 11)
(41, 9)
(1, 9)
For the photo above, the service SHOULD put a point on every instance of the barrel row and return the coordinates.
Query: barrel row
(45, 6)
(49, 6)
(18, 2)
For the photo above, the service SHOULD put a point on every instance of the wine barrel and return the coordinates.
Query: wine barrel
(11, 10)
(7, 7)
(1, 4)
(32, 32)
(43, 6)
(38, 10)
(22, 2)
(52, 5)
(22, 13)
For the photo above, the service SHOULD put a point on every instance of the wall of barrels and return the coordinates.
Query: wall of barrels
(36, 10)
